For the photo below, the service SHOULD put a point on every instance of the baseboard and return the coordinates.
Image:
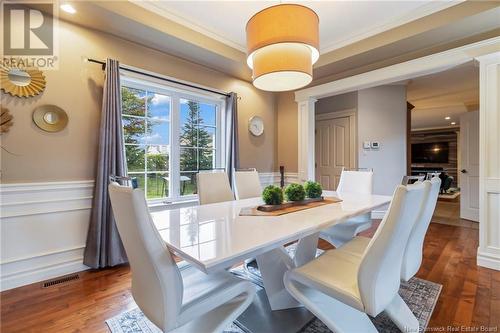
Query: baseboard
(488, 260)
(32, 270)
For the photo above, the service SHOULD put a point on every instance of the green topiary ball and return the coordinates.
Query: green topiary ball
(313, 189)
(295, 192)
(272, 195)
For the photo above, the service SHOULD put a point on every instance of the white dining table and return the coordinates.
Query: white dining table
(214, 237)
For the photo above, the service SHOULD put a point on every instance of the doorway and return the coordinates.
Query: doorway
(489, 68)
(444, 139)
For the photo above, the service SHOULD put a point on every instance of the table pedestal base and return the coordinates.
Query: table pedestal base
(275, 263)
(259, 318)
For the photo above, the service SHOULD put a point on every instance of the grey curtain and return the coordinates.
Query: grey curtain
(232, 158)
(104, 247)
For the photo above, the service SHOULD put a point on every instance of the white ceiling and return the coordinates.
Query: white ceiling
(450, 93)
(341, 22)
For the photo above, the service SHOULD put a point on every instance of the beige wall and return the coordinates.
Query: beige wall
(287, 132)
(381, 116)
(337, 103)
(77, 88)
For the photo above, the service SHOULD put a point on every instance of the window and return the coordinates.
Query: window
(169, 136)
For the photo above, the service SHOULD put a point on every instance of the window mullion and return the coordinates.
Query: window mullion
(145, 146)
(175, 147)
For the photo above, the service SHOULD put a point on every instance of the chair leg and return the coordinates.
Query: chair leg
(337, 316)
(306, 250)
(401, 315)
(338, 235)
(342, 233)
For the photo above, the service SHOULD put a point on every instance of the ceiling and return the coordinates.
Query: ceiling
(356, 36)
(450, 93)
(341, 22)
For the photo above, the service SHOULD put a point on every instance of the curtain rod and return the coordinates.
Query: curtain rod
(160, 78)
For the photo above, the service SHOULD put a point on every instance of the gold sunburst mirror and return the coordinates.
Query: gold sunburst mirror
(22, 82)
(6, 120)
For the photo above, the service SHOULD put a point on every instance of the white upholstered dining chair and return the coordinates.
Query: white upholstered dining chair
(412, 258)
(408, 180)
(351, 181)
(213, 187)
(247, 184)
(342, 289)
(174, 300)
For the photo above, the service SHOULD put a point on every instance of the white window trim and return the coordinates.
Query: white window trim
(176, 92)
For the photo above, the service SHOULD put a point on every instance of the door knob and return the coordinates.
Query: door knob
(463, 171)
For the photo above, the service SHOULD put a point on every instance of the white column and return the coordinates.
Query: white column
(306, 139)
(488, 254)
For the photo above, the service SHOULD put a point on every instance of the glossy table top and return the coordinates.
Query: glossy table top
(213, 237)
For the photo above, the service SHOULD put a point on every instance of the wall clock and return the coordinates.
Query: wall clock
(256, 125)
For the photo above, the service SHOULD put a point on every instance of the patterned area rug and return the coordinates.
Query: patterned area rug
(420, 295)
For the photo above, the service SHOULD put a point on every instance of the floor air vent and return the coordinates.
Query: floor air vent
(61, 280)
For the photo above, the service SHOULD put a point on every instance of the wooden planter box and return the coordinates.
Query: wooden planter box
(288, 204)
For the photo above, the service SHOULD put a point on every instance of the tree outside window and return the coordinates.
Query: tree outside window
(146, 135)
(147, 129)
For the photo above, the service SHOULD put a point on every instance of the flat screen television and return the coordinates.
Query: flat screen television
(430, 152)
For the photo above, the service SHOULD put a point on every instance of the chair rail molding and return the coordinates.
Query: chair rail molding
(489, 155)
(43, 230)
(487, 53)
(273, 178)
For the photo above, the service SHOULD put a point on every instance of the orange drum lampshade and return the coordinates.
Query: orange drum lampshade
(283, 44)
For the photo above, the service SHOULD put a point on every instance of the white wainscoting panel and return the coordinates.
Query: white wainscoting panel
(43, 230)
(488, 254)
(273, 178)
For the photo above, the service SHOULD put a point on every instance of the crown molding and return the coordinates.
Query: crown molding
(422, 11)
(426, 65)
(177, 18)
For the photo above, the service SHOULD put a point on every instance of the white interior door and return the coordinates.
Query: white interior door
(469, 178)
(333, 150)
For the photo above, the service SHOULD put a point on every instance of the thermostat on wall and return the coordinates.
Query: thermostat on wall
(375, 145)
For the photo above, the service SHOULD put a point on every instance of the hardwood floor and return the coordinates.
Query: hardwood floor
(448, 211)
(470, 295)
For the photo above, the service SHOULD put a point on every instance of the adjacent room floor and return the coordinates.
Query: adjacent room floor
(470, 294)
(448, 212)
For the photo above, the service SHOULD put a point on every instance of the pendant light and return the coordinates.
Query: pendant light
(282, 45)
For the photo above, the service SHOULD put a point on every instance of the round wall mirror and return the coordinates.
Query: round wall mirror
(50, 118)
(19, 77)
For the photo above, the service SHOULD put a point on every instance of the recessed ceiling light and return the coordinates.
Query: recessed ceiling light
(68, 8)
(453, 123)
(447, 118)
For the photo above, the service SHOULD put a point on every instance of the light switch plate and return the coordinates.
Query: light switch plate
(366, 145)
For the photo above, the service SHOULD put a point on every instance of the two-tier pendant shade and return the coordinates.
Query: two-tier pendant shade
(282, 44)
